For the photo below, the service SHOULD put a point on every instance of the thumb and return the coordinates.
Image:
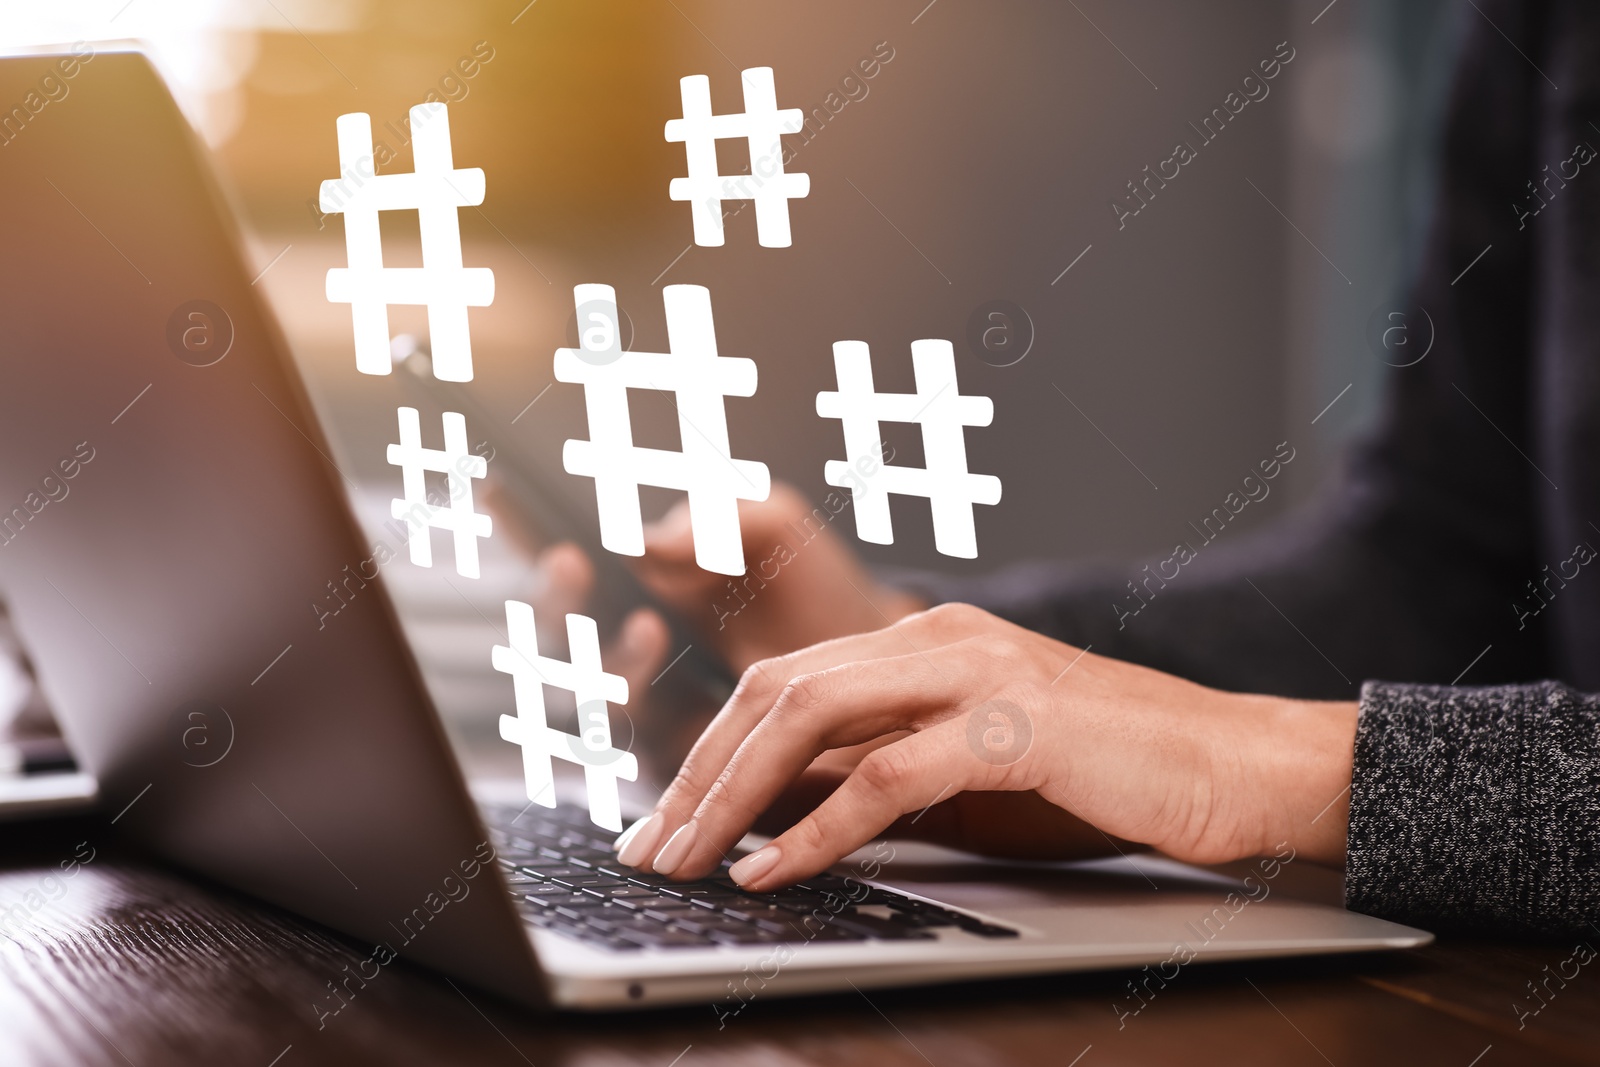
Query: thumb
(563, 580)
(639, 651)
(670, 539)
(668, 568)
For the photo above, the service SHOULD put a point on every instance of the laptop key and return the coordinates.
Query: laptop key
(542, 895)
(793, 899)
(654, 881)
(540, 858)
(852, 889)
(547, 870)
(563, 895)
(626, 891)
(758, 912)
(725, 893)
(690, 891)
(534, 869)
(592, 905)
(707, 904)
(579, 880)
(613, 910)
(516, 877)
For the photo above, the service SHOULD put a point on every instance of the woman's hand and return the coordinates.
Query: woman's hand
(959, 700)
(803, 585)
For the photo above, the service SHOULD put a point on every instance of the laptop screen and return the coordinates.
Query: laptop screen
(170, 512)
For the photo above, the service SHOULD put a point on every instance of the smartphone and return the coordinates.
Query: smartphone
(558, 508)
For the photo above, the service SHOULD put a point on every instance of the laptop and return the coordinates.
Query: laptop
(170, 507)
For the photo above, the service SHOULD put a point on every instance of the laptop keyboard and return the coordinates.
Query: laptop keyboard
(567, 880)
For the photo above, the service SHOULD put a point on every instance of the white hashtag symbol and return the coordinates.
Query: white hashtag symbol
(705, 469)
(762, 125)
(458, 466)
(435, 190)
(591, 687)
(942, 412)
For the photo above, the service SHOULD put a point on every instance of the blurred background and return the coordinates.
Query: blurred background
(959, 154)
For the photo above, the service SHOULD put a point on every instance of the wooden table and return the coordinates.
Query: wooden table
(127, 962)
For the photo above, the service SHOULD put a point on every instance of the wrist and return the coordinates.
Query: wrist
(1310, 754)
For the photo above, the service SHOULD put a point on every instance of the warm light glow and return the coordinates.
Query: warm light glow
(204, 48)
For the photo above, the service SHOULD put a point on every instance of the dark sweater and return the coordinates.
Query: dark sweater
(1470, 806)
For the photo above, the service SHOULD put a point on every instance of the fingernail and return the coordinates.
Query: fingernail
(754, 865)
(639, 840)
(627, 832)
(675, 850)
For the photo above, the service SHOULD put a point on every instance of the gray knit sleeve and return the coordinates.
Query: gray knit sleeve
(1476, 808)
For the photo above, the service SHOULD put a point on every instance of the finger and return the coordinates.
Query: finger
(758, 689)
(821, 777)
(670, 539)
(565, 578)
(668, 568)
(669, 555)
(844, 705)
(640, 649)
(892, 781)
(683, 586)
